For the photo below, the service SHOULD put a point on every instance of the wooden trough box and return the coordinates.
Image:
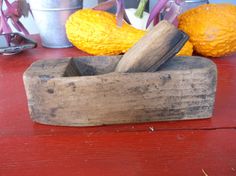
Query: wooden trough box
(86, 92)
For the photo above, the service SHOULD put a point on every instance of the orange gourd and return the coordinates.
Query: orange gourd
(212, 29)
(97, 33)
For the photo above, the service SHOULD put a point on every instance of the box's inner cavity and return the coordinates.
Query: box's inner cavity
(89, 66)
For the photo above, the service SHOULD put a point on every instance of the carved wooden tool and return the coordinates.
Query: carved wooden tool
(156, 47)
(183, 88)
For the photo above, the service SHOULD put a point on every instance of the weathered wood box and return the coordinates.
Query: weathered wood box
(85, 91)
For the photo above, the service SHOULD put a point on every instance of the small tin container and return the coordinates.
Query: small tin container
(50, 17)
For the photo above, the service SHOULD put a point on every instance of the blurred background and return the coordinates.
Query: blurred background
(30, 25)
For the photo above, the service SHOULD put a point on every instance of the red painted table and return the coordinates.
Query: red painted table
(198, 147)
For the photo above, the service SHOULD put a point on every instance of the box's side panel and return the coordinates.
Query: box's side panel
(124, 98)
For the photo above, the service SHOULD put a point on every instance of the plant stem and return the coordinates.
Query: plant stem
(140, 9)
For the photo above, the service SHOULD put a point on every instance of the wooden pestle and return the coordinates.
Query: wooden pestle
(158, 45)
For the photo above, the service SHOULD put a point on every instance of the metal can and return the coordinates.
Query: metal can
(50, 17)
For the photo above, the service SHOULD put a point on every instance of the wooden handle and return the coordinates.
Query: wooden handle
(150, 52)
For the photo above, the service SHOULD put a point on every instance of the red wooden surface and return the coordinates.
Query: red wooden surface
(172, 148)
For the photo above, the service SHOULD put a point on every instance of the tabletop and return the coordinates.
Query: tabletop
(195, 147)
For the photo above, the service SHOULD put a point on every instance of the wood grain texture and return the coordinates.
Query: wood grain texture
(157, 46)
(173, 148)
(184, 88)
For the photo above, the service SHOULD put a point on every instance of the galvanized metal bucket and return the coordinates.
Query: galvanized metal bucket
(50, 17)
